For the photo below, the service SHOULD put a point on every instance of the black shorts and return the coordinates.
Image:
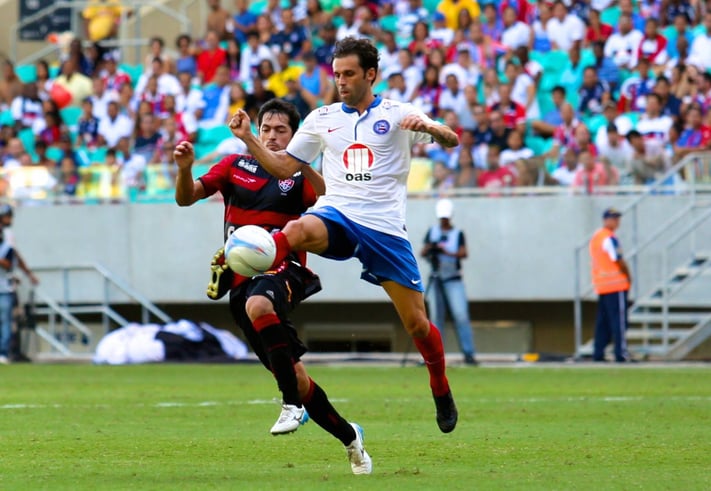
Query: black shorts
(286, 289)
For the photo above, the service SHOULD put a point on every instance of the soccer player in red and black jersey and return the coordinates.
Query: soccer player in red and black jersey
(261, 305)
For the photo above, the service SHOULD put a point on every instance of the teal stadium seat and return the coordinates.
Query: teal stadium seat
(26, 73)
(70, 116)
(6, 118)
(133, 71)
(214, 135)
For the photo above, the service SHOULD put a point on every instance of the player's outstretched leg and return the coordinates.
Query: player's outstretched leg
(325, 415)
(432, 351)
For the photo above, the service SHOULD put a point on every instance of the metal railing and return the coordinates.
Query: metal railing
(62, 312)
(689, 166)
(124, 39)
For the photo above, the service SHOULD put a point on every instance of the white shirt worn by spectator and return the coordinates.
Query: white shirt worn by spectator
(565, 176)
(700, 53)
(465, 75)
(564, 34)
(622, 48)
(519, 94)
(413, 79)
(395, 95)
(623, 125)
(189, 103)
(167, 84)
(114, 130)
(99, 104)
(26, 111)
(509, 156)
(655, 131)
(454, 102)
(516, 35)
(618, 156)
(132, 170)
(444, 35)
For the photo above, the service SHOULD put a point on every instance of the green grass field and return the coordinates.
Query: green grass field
(207, 427)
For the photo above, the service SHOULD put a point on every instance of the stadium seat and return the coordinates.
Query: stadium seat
(258, 7)
(54, 153)
(98, 182)
(27, 137)
(200, 169)
(214, 135)
(420, 178)
(133, 71)
(159, 182)
(6, 118)
(70, 116)
(26, 73)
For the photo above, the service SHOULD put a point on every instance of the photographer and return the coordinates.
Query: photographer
(444, 248)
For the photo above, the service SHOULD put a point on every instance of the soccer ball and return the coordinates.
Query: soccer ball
(250, 250)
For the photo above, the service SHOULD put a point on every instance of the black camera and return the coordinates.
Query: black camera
(434, 251)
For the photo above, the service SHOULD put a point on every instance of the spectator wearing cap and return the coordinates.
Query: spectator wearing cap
(593, 93)
(622, 45)
(611, 279)
(515, 32)
(441, 32)
(565, 30)
(451, 8)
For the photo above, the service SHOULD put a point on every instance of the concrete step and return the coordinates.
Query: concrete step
(655, 334)
(673, 318)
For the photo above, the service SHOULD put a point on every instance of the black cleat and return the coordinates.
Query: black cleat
(446, 412)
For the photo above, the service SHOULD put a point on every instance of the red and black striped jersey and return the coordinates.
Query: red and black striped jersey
(252, 196)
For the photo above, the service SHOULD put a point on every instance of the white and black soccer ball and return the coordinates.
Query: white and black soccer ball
(250, 250)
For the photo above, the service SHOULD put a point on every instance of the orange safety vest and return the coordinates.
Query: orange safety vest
(606, 274)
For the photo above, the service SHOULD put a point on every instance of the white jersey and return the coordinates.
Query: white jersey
(366, 160)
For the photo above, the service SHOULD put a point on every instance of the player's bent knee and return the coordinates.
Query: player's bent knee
(418, 328)
(257, 306)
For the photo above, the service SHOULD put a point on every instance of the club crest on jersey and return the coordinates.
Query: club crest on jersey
(381, 127)
(358, 159)
(286, 184)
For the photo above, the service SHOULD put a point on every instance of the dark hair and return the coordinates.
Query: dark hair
(182, 37)
(157, 39)
(559, 88)
(633, 134)
(280, 106)
(364, 49)
(656, 96)
(662, 79)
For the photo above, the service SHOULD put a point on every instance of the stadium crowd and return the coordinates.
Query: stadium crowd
(579, 94)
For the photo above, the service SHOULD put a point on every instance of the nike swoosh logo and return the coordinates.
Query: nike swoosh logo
(415, 282)
(331, 130)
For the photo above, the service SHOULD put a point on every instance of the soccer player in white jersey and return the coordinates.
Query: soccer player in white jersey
(365, 142)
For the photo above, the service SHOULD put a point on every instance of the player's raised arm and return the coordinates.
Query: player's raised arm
(442, 134)
(279, 164)
(187, 190)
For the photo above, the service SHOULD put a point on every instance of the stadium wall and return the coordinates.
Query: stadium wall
(520, 248)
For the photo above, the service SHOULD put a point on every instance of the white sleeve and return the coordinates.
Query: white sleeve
(608, 245)
(416, 136)
(307, 143)
(16, 108)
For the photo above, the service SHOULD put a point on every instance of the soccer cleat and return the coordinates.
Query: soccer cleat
(361, 462)
(446, 412)
(290, 419)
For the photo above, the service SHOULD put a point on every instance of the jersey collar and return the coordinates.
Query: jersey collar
(376, 102)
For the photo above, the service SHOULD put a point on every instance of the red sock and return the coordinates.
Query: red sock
(432, 350)
(282, 248)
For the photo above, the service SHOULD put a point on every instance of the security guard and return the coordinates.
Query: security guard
(611, 279)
